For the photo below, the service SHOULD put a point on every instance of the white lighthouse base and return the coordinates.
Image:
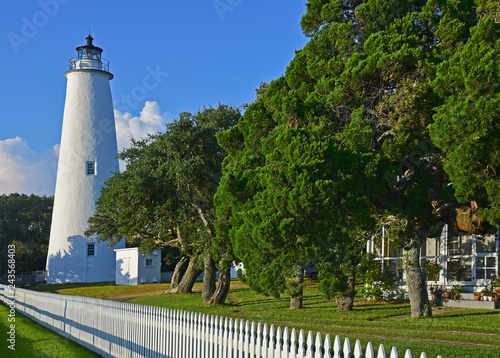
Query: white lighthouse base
(76, 265)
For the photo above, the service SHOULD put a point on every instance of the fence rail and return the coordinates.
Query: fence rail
(117, 329)
(24, 278)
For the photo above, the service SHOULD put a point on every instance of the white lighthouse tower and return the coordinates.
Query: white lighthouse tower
(87, 156)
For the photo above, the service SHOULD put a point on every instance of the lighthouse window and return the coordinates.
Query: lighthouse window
(91, 168)
(90, 249)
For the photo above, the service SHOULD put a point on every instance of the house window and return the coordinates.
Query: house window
(149, 262)
(90, 249)
(90, 168)
(459, 244)
(486, 244)
(459, 269)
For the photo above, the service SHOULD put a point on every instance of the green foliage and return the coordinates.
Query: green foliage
(165, 195)
(466, 125)
(25, 222)
(456, 290)
(376, 284)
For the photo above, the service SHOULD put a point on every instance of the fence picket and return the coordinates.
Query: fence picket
(286, 344)
(318, 346)
(347, 348)
(246, 337)
(358, 351)
(394, 353)
(337, 348)
(293, 344)
(265, 342)
(258, 341)
(408, 354)
(381, 351)
(279, 344)
(327, 347)
(309, 345)
(301, 349)
(270, 348)
(369, 351)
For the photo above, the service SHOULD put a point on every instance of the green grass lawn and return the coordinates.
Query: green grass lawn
(451, 333)
(104, 290)
(33, 340)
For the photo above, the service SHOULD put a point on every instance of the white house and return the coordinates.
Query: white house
(464, 259)
(133, 268)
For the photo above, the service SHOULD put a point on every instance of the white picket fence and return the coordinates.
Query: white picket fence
(117, 329)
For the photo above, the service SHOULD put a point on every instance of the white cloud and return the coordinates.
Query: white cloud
(150, 121)
(22, 170)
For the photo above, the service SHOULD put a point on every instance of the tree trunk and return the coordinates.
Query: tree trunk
(209, 277)
(189, 278)
(346, 300)
(297, 288)
(179, 271)
(220, 294)
(415, 279)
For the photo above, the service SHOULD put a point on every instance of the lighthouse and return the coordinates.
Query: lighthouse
(87, 157)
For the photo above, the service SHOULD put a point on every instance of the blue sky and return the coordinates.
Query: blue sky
(167, 57)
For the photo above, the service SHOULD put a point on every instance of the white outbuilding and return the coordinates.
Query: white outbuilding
(133, 268)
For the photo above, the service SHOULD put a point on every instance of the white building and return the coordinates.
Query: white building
(463, 258)
(87, 157)
(133, 268)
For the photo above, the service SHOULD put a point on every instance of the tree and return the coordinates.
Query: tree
(25, 222)
(291, 188)
(380, 56)
(467, 126)
(363, 84)
(165, 195)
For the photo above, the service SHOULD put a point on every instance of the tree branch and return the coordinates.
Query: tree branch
(203, 216)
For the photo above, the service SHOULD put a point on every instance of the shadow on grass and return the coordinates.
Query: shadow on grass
(61, 286)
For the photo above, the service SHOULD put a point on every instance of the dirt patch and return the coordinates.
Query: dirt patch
(135, 295)
(435, 311)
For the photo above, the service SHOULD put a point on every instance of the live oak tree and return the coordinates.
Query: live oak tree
(165, 197)
(25, 222)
